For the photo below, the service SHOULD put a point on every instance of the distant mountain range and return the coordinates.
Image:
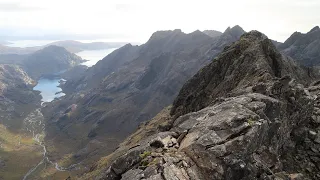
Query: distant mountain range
(47, 61)
(76, 46)
(50, 60)
(4, 42)
(70, 45)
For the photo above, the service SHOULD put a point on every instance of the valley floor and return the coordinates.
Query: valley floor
(17, 148)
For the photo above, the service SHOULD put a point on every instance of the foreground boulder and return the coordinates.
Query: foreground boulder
(244, 137)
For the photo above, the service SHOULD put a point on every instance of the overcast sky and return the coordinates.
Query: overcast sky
(136, 20)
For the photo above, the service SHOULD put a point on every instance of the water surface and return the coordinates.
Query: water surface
(49, 88)
(93, 56)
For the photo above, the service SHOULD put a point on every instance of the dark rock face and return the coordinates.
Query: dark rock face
(244, 116)
(17, 98)
(235, 31)
(305, 48)
(52, 59)
(102, 69)
(129, 86)
(252, 60)
(74, 72)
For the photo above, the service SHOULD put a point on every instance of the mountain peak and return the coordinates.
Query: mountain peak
(254, 42)
(52, 59)
(237, 27)
(127, 45)
(254, 34)
(212, 33)
(235, 31)
(303, 47)
(314, 29)
(162, 34)
(53, 47)
(197, 32)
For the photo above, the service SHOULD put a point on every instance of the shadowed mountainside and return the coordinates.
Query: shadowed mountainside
(305, 48)
(127, 87)
(243, 116)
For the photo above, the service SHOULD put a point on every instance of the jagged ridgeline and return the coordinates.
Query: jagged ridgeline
(305, 48)
(128, 87)
(246, 115)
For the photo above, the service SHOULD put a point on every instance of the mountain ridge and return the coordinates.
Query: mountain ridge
(212, 33)
(303, 47)
(244, 129)
(126, 88)
(72, 46)
(51, 59)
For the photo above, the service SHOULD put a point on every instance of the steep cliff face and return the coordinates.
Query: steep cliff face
(103, 68)
(126, 88)
(305, 48)
(237, 118)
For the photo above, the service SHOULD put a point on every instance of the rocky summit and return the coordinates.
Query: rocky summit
(305, 48)
(252, 113)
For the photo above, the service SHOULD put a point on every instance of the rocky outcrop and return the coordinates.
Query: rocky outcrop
(252, 60)
(126, 88)
(305, 48)
(17, 96)
(246, 115)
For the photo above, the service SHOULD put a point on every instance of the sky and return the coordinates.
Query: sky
(136, 20)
